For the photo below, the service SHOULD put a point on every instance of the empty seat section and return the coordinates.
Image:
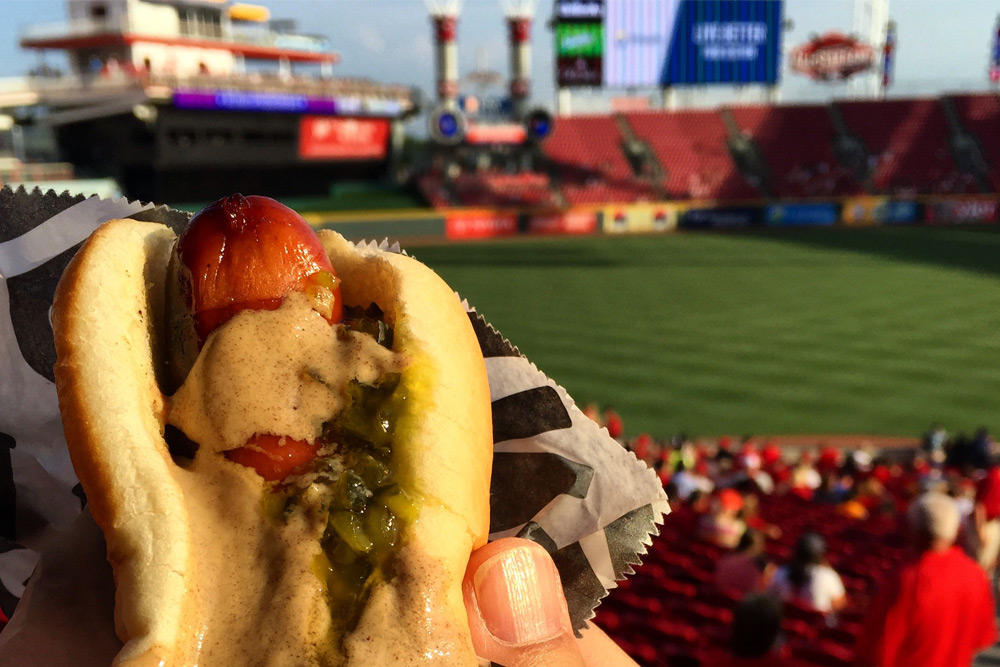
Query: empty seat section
(907, 141)
(980, 115)
(495, 189)
(432, 188)
(587, 154)
(797, 144)
(691, 147)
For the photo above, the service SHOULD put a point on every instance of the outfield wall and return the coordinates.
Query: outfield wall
(661, 217)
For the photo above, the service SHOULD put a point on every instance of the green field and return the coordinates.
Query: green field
(879, 330)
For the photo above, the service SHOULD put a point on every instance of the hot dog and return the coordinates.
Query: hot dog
(285, 440)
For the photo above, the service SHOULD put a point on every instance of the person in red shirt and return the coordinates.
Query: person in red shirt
(985, 539)
(613, 422)
(746, 569)
(936, 610)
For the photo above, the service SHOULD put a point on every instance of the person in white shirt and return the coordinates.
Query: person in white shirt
(808, 580)
(689, 481)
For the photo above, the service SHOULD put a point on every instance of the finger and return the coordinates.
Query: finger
(599, 650)
(517, 612)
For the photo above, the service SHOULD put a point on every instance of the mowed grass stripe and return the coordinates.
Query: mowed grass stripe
(841, 331)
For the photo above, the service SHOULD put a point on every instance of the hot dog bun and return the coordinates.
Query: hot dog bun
(108, 323)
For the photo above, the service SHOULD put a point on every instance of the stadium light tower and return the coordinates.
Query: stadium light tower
(871, 24)
(444, 17)
(519, 14)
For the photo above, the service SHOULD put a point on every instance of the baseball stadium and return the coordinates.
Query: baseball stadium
(757, 248)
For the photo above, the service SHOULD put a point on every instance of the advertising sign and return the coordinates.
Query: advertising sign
(691, 42)
(801, 215)
(579, 40)
(566, 222)
(584, 11)
(245, 100)
(731, 217)
(961, 210)
(831, 57)
(574, 72)
(326, 138)
(640, 218)
(479, 224)
(871, 210)
(500, 133)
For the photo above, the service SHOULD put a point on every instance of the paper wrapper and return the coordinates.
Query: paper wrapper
(558, 478)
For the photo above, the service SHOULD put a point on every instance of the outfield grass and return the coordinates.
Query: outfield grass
(879, 330)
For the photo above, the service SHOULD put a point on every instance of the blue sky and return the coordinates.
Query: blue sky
(943, 44)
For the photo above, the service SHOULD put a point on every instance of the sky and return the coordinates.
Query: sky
(943, 45)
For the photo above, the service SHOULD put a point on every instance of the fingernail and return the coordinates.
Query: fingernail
(519, 596)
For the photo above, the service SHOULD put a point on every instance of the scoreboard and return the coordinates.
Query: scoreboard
(655, 43)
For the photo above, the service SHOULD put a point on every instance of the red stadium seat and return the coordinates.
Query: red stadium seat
(824, 654)
(797, 143)
(980, 115)
(907, 141)
(691, 147)
(676, 632)
(799, 629)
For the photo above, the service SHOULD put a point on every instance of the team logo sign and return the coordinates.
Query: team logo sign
(832, 57)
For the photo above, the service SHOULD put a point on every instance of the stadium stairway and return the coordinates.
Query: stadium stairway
(907, 144)
(692, 147)
(797, 144)
(980, 116)
(642, 157)
(586, 156)
(965, 149)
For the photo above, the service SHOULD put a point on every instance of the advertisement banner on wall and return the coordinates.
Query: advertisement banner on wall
(562, 223)
(651, 43)
(326, 138)
(802, 215)
(729, 217)
(582, 11)
(959, 210)
(580, 71)
(640, 218)
(479, 224)
(871, 210)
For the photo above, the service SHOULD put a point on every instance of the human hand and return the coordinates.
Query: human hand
(518, 614)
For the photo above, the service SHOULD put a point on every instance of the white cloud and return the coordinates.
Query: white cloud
(371, 40)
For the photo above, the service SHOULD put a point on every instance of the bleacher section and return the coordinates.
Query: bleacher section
(585, 162)
(797, 143)
(431, 187)
(671, 612)
(980, 114)
(907, 142)
(691, 147)
(527, 189)
(587, 157)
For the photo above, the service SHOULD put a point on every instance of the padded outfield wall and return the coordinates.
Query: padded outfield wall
(660, 217)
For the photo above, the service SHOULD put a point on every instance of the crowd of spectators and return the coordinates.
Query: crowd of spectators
(933, 512)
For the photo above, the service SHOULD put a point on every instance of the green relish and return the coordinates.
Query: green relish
(366, 504)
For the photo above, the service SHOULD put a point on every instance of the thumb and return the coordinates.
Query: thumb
(517, 612)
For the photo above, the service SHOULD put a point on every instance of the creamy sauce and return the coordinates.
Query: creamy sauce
(257, 599)
(282, 372)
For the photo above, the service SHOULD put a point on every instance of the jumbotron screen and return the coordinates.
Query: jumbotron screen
(652, 43)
